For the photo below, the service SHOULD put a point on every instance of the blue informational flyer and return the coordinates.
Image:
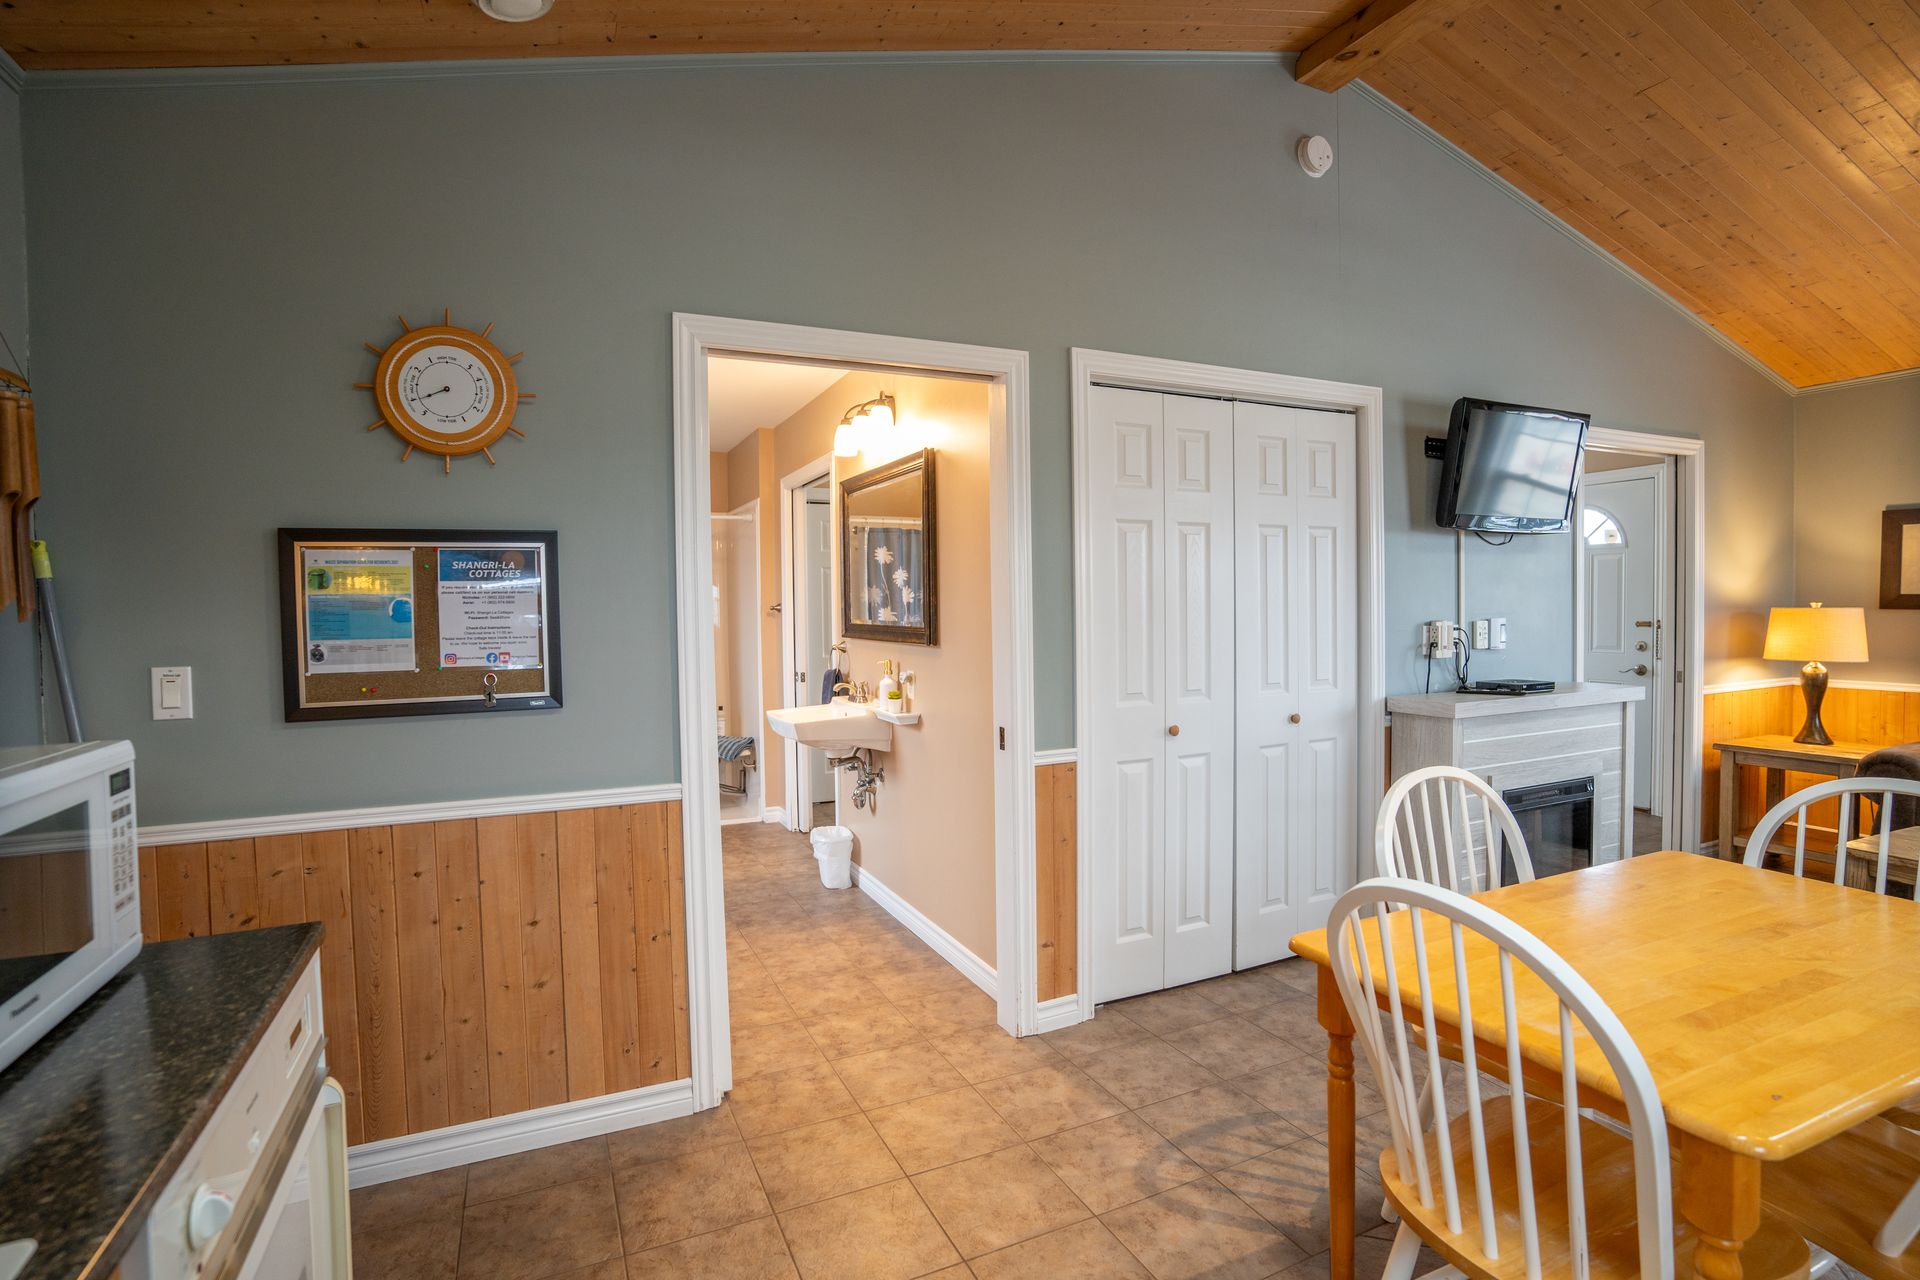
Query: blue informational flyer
(359, 609)
(491, 608)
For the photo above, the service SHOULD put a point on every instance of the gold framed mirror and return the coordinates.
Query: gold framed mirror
(888, 563)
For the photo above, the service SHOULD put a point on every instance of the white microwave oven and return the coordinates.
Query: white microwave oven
(69, 882)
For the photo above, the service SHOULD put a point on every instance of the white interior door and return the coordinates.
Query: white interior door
(1622, 532)
(1160, 766)
(1297, 731)
(1200, 687)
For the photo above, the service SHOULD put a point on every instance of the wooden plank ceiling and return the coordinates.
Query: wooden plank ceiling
(207, 33)
(1758, 160)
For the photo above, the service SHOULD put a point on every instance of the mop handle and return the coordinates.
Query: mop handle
(43, 572)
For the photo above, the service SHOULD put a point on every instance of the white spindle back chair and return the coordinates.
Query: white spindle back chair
(1796, 805)
(1425, 830)
(1441, 1190)
(1903, 1224)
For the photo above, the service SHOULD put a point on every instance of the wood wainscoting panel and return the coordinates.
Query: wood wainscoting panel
(1881, 717)
(471, 967)
(1056, 850)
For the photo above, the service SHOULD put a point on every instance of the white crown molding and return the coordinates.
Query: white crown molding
(632, 64)
(12, 74)
(949, 948)
(398, 814)
(1059, 755)
(403, 1157)
(1847, 384)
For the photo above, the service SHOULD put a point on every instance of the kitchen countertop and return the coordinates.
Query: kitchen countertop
(96, 1117)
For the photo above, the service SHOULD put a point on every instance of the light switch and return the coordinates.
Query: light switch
(173, 693)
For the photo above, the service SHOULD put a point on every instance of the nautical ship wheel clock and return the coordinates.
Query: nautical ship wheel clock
(445, 389)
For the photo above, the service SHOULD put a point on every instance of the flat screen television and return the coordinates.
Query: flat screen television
(1509, 468)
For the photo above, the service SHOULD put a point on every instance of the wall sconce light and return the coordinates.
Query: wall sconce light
(857, 424)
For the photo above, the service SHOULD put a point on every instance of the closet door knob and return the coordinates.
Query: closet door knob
(1173, 731)
(1294, 718)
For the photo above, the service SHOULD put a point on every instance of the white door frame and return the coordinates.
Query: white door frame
(1149, 373)
(789, 651)
(1681, 776)
(695, 337)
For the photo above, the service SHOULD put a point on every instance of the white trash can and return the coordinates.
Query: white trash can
(833, 849)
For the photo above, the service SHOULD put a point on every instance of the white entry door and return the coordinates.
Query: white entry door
(1161, 551)
(1297, 732)
(1622, 530)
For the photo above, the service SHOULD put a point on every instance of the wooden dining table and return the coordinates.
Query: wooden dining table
(1773, 1011)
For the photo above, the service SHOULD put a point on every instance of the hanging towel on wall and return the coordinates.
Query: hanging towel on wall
(827, 681)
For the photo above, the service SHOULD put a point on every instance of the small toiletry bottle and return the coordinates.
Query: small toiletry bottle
(889, 687)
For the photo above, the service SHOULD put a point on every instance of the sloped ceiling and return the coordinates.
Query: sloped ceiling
(1758, 160)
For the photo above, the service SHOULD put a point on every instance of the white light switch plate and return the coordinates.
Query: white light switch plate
(173, 693)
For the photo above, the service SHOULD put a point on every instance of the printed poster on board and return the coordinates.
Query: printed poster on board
(490, 608)
(359, 609)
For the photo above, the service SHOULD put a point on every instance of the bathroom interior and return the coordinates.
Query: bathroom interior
(853, 640)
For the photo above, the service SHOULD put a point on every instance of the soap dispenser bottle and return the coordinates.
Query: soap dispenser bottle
(889, 687)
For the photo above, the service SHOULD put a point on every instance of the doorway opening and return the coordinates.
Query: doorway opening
(1001, 958)
(736, 661)
(1637, 602)
(812, 656)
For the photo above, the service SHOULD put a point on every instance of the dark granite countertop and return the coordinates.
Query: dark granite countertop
(96, 1117)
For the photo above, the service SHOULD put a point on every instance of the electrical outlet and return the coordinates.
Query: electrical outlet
(1482, 633)
(1440, 638)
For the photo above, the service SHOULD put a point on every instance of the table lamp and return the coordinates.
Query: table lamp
(1816, 636)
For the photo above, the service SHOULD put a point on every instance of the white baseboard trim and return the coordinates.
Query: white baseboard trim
(945, 944)
(403, 1157)
(1060, 1013)
(288, 824)
(776, 814)
(1060, 755)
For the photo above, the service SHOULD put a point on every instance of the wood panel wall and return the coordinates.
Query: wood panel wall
(471, 968)
(1056, 813)
(1878, 717)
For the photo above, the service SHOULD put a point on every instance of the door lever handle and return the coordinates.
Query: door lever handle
(1638, 669)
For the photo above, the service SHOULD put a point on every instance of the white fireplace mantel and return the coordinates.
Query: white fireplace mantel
(1576, 731)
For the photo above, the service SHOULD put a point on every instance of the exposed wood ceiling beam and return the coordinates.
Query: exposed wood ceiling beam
(1355, 47)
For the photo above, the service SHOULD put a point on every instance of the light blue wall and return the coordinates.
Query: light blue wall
(208, 258)
(18, 713)
(1839, 493)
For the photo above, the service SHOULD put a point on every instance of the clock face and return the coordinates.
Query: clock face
(446, 389)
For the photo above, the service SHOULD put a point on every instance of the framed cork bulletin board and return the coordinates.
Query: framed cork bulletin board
(417, 622)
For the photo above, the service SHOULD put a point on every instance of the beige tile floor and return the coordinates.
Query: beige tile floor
(882, 1126)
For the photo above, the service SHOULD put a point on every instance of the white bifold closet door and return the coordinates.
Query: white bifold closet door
(1162, 556)
(1221, 766)
(1297, 725)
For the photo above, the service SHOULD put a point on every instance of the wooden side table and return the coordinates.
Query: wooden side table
(1903, 858)
(1777, 753)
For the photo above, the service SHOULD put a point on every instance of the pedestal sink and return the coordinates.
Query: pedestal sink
(838, 728)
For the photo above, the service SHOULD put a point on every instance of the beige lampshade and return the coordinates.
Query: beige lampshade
(1817, 635)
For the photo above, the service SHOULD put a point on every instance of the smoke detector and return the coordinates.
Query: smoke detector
(514, 10)
(1315, 155)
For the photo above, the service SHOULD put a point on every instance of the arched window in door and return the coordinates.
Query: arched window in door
(1600, 529)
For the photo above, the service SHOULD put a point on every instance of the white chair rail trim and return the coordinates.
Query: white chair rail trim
(288, 824)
